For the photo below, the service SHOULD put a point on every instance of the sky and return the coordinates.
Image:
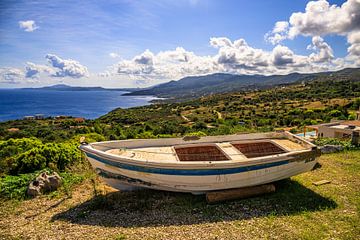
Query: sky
(128, 43)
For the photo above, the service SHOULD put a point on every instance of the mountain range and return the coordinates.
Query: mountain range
(64, 87)
(197, 86)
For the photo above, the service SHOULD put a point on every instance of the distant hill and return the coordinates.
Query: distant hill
(196, 86)
(63, 87)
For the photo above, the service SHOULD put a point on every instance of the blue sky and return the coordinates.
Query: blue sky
(117, 43)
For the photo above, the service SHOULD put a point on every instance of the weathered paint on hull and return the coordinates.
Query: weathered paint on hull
(116, 176)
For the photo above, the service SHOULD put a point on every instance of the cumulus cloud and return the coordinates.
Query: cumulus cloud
(28, 26)
(236, 57)
(278, 33)
(33, 70)
(354, 49)
(239, 56)
(282, 55)
(139, 65)
(165, 65)
(324, 51)
(66, 67)
(321, 19)
(11, 75)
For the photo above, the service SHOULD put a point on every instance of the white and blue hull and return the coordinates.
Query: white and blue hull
(198, 177)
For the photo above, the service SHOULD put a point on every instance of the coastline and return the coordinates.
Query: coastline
(15, 104)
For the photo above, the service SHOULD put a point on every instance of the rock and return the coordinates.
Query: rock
(34, 189)
(44, 183)
(331, 148)
(54, 181)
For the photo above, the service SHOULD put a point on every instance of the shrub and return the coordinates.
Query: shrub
(346, 143)
(14, 187)
(200, 125)
(30, 154)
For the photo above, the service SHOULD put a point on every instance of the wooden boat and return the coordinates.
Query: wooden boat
(199, 165)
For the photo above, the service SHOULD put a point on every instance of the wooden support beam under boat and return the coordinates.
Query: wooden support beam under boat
(238, 193)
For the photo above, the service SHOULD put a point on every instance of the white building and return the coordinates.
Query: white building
(341, 129)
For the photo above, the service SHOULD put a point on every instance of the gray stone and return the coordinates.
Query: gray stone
(54, 181)
(44, 183)
(331, 148)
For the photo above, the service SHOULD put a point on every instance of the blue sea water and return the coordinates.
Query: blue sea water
(17, 103)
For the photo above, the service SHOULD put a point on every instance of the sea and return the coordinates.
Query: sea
(17, 103)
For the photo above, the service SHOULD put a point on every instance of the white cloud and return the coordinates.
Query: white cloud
(281, 26)
(11, 75)
(165, 65)
(219, 42)
(114, 55)
(324, 51)
(232, 57)
(33, 70)
(282, 55)
(239, 57)
(354, 49)
(28, 26)
(321, 19)
(278, 33)
(66, 67)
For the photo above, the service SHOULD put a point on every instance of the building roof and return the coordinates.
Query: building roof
(332, 124)
(352, 123)
(345, 127)
(13, 129)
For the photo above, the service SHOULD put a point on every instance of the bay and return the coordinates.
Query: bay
(17, 103)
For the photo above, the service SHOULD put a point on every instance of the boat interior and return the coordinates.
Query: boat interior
(211, 151)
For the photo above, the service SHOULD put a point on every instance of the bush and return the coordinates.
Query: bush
(30, 154)
(14, 187)
(346, 143)
(200, 125)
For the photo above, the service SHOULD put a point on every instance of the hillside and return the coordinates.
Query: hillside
(292, 105)
(196, 86)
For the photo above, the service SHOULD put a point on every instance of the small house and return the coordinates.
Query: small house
(340, 129)
(79, 120)
(39, 116)
(29, 118)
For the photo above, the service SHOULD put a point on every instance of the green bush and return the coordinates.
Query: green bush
(346, 143)
(30, 154)
(14, 187)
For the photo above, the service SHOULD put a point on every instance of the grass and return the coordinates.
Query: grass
(297, 210)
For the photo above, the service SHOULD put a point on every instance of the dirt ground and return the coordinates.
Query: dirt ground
(297, 210)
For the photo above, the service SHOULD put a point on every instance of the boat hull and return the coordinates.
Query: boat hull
(118, 175)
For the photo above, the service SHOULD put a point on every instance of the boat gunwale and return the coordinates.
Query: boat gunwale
(196, 164)
(88, 148)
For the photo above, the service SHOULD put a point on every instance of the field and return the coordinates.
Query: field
(297, 210)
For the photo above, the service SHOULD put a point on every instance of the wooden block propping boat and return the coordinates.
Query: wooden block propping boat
(202, 165)
(238, 193)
